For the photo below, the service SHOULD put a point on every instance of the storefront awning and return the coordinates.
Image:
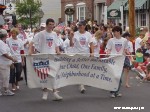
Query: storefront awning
(117, 4)
(139, 4)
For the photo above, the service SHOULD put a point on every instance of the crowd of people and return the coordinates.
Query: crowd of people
(83, 37)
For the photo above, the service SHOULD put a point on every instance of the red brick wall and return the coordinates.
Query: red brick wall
(74, 2)
(109, 2)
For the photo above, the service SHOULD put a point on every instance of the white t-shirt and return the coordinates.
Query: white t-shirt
(117, 46)
(21, 36)
(96, 44)
(67, 48)
(137, 43)
(15, 47)
(46, 42)
(26, 48)
(4, 49)
(130, 47)
(81, 42)
(148, 51)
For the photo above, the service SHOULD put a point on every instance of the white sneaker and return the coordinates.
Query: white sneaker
(112, 95)
(18, 87)
(8, 93)
(142, 74)
(45, 95)
(82, 89)
(57, 97)
(119, 95)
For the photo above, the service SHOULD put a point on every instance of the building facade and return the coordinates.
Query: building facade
(99, 9)
(142, 12)
(82, 9)
(51, 9)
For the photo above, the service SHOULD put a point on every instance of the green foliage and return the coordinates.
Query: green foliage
(28, 11)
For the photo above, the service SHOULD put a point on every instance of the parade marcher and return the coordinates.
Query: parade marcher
(117, 45)
(66, 43)
(97, 42)
(102, 51)
(48, 43)
(23, 36)
(57, 30)
(5, 62)
(16, 49)
(127, 64)
(82, 43)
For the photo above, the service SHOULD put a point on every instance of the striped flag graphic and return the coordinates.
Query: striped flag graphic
(42, 72)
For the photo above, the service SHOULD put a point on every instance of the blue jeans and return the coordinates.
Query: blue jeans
(116, 92)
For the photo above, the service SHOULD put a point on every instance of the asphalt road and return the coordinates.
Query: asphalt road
(94, 100)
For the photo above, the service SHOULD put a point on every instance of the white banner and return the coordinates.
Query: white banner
(56, 71)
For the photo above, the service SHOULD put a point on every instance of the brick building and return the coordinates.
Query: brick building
(84, 9)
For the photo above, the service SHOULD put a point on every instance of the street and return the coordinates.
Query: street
(94, 100)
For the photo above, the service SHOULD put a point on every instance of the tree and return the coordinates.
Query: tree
(28, 12)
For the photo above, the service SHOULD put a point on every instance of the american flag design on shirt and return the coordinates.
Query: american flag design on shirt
(82, 40)
(118, 47)
(49, 42)
(14, 47)
(42, 69)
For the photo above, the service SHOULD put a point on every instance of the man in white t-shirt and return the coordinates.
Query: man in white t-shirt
(82, 43)
(117, 45)
(48, 43)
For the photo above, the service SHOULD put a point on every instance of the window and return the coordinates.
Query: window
(70, 18)
(81, 11)
(143, 19)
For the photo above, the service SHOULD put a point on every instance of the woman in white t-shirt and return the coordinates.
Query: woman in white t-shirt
(97, 42)
(60, 40)
(16, 48)
(5, 63)
(82, 43)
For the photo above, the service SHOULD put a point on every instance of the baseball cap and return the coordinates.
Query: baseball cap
(82, 23)
(43, 25)
(3, 31)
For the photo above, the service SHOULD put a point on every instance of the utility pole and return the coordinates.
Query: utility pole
(132, 18)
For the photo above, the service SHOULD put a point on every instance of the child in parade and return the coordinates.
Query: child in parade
(127, 64)
(48, 43)
(117, 45)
